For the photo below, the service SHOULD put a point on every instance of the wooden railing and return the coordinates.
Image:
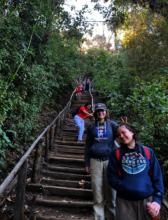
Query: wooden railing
(20, 170)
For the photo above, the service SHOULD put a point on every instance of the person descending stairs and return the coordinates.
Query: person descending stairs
(64, 190)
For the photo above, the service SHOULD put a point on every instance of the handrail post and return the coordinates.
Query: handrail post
(67, 112)
(46, 145)
(20, 194)
(51, 137)
(58, 126)
(62, 120)
(37, 162)
(55, 129)
(69, 109)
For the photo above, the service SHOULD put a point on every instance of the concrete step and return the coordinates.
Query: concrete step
(66, 176)
(73, 143)
(70, 147)
(58, 190)
(69, 183)
(60, 203)
(67, 155)
(71, 134)
(51, 217)
(71, 120)
(70, 151)
(66, 129)
(70, 138)
(67, 170)
(65, 160)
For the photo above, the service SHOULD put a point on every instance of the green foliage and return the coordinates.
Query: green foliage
(133, 83)
(144, 103)
(39, 50)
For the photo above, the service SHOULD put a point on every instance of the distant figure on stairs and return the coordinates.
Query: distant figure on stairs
(79, 92)
(79, 120)
(99, 144)
(83, 86)
(87, 86)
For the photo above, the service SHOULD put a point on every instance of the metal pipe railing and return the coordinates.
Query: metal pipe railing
(91, 97)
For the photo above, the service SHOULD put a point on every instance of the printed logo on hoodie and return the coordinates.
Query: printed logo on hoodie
(133, 163)
(101, 133)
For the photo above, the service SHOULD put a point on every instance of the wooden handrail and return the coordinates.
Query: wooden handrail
(15, 170)
(19, 164)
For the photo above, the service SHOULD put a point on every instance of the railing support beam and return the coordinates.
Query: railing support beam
(46, 145)
(51, 137)
(58, 126)
(37, 162)
(20, 194)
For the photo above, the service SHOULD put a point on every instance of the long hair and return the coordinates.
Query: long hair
(135, 136)
(96, 118)
(87, 104)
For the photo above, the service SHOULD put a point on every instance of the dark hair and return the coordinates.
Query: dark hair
(96, 118)
(87, 104)
(135, 136)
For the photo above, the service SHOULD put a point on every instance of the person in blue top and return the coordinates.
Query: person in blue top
(87, 86)
(99, 144)
(134, 172)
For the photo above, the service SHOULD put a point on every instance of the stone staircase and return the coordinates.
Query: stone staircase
(64, 190)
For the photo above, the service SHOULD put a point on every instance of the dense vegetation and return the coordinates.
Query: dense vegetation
(39, 60)
(133, 82)
(41, 55)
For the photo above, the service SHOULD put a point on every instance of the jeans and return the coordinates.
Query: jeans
(80, 125)
(102, 191)
(78, 96)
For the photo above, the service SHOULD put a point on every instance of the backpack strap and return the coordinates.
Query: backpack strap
(111, 125)
(148, 156)
(92, 126)
(118, 159)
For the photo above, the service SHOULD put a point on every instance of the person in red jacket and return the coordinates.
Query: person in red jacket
(79, 92)
(79, 120)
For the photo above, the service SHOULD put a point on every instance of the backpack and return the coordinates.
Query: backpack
(75, 112)
(118, 159)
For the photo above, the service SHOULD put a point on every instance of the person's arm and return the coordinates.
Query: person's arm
(86, 113)
(157, 183)
(112, 172)
(87, 149)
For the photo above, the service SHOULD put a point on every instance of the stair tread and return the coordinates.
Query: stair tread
(66, 183)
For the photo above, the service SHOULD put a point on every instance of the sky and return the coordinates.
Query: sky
(100, 27)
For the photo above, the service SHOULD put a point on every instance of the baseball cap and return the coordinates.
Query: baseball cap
(100, 106)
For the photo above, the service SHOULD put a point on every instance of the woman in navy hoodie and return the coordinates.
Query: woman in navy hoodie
(134, 172)
(99, 144)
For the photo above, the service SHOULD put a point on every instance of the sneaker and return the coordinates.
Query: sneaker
(80, 141)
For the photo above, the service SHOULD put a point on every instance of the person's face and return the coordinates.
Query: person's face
(88, 107)
(125, 135)
(101, 114)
